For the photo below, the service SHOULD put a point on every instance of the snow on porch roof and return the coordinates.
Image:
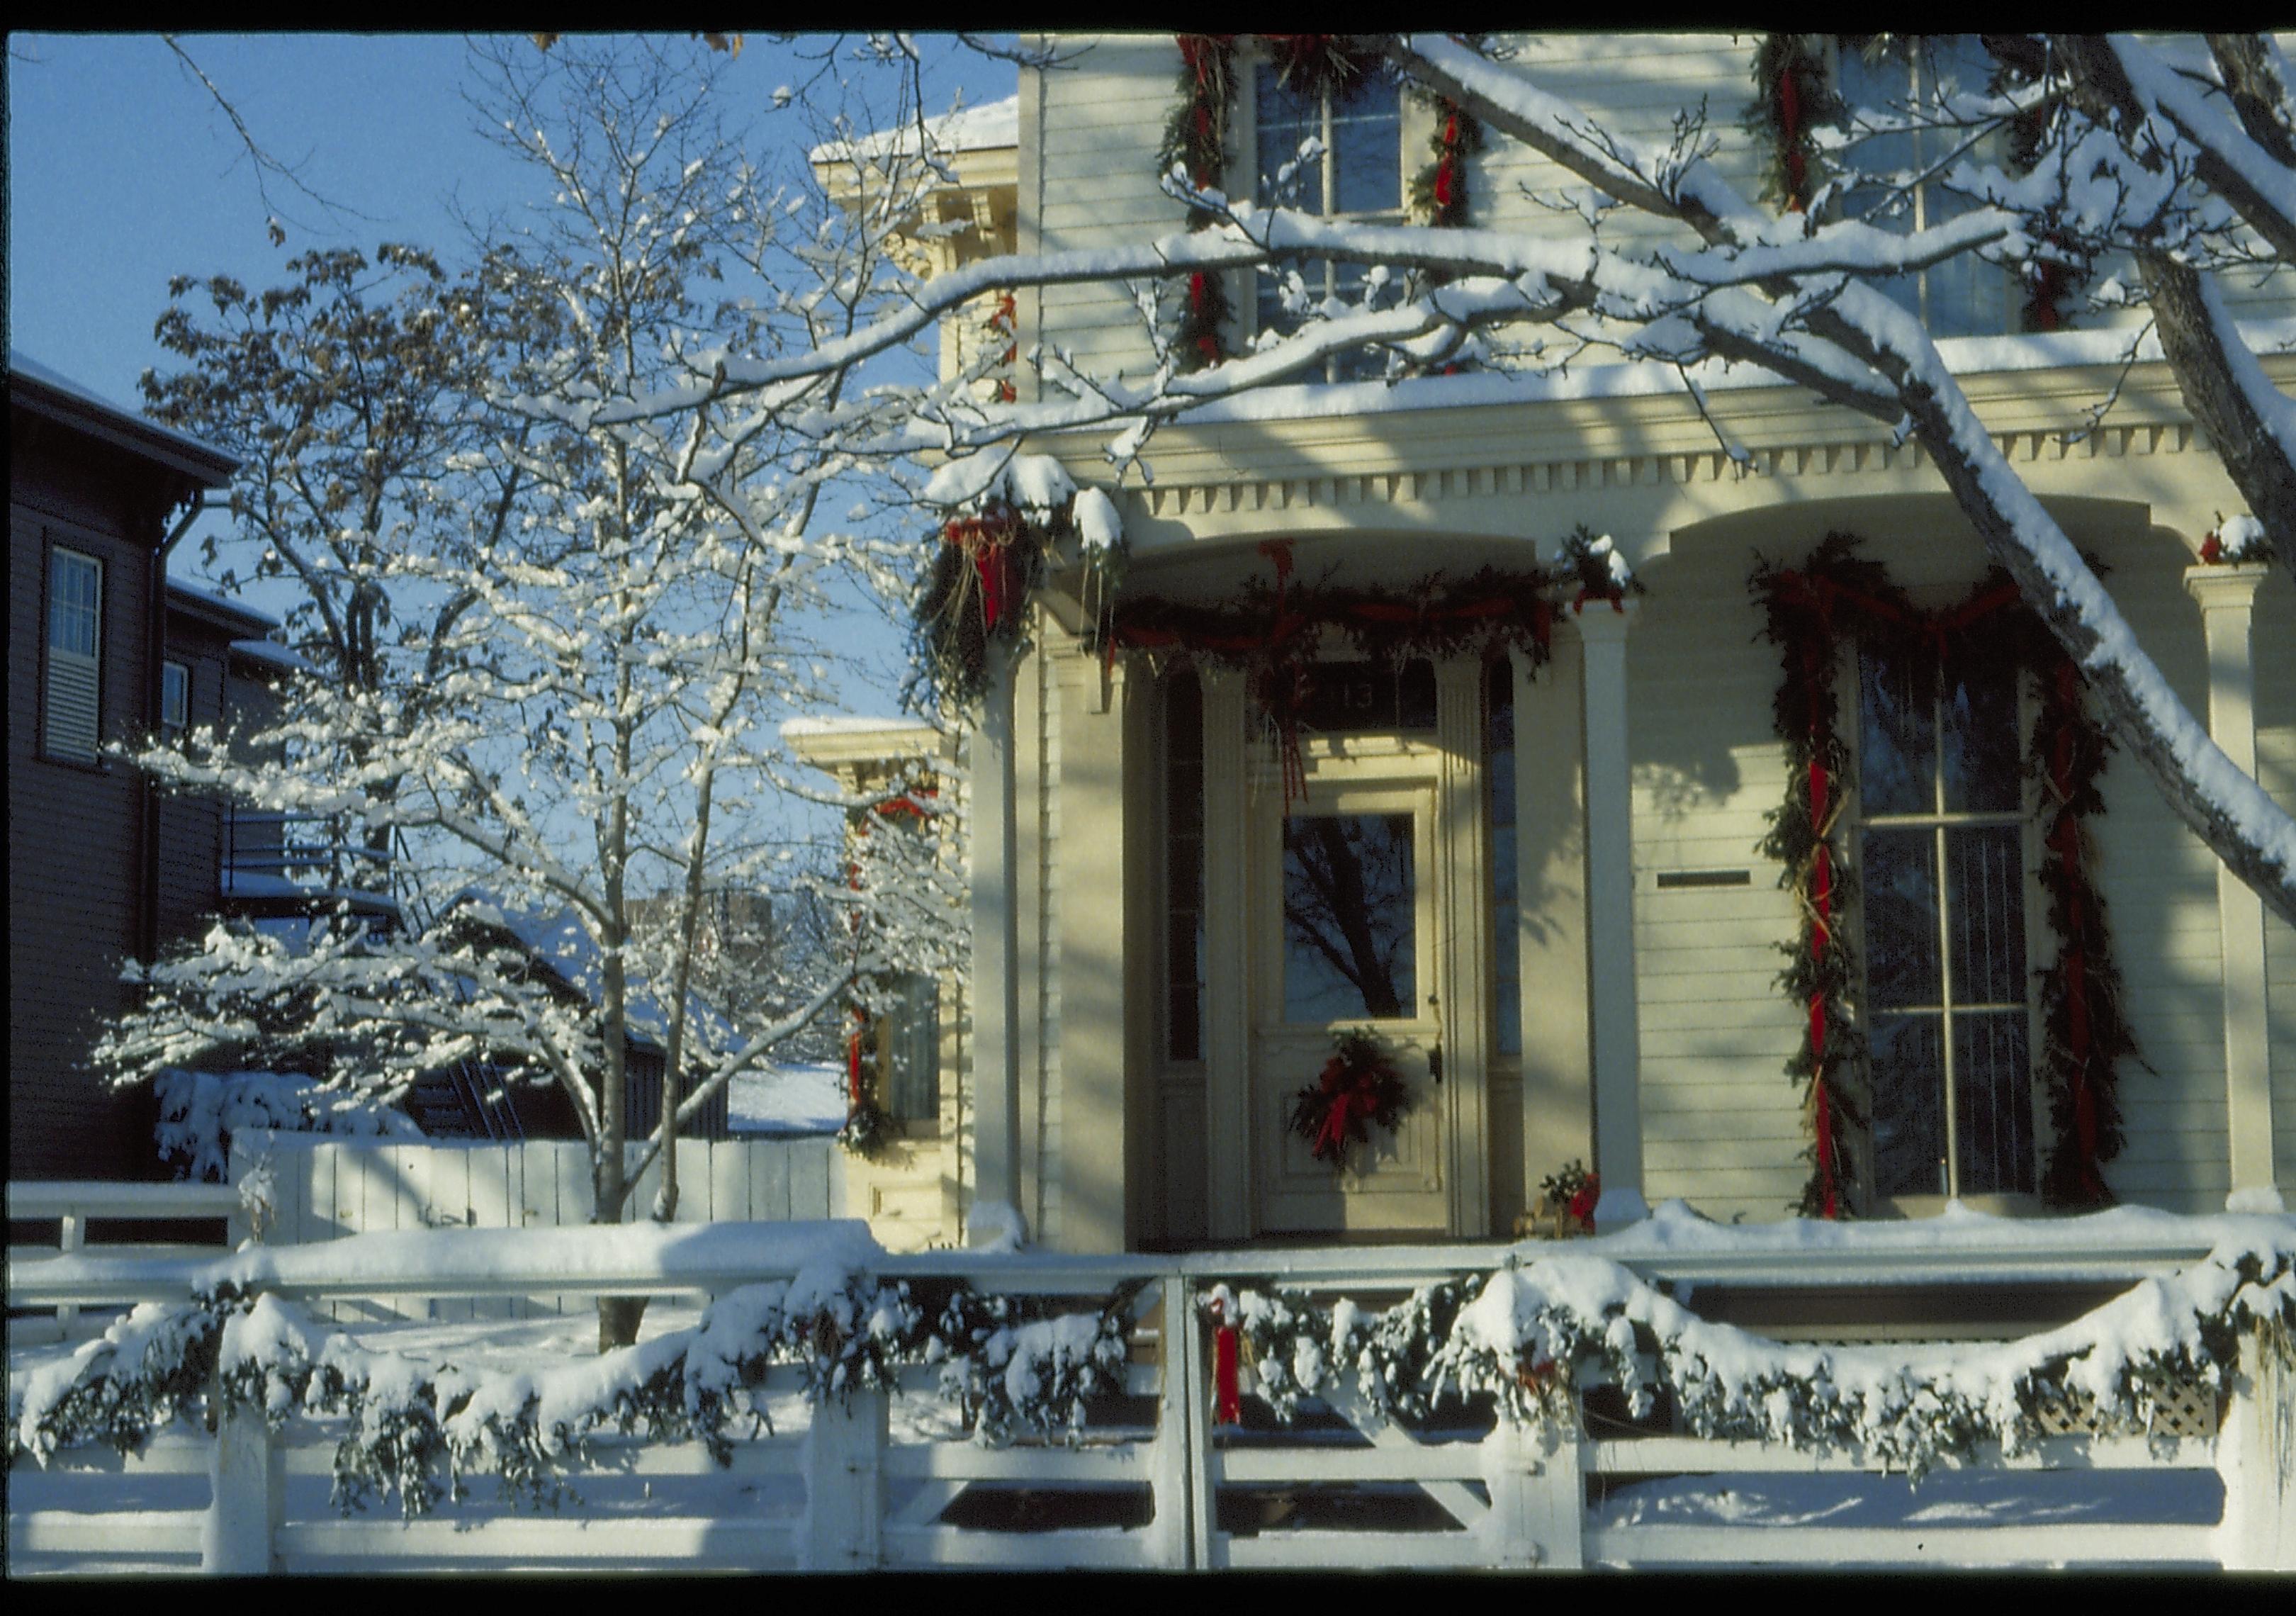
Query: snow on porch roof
(983, 128)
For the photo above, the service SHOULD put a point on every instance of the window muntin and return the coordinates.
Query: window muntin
(1942, 872)
(1350, 918)
(1965, 297)
(1356, 171)
(70, 708)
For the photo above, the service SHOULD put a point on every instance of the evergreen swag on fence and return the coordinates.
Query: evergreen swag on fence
(421, 1429)
(1196, 139)
(1526, 1339)
(1836, 597)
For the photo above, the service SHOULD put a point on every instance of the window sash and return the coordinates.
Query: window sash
(1943, 924)
(175, 698)
(1357, 174)
(71, 715)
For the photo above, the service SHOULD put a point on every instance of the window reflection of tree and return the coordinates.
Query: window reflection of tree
(1348, 909)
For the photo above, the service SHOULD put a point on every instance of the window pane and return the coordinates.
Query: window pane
(1897, 746)
(1350, 918)
(1367, 147)
(1980, 743)
(75, 595)
(1908, 1106)
(1993, 1105)
(1285, 119)
(912, 1048)
(1987, 924)
(1899, 872)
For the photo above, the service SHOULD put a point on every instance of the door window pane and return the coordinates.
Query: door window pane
(1350, 918)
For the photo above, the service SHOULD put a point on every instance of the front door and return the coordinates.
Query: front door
(1348, 934)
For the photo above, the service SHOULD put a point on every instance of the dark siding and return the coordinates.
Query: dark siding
(74, 860)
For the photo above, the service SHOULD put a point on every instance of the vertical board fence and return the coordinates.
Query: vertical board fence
(326, 1190)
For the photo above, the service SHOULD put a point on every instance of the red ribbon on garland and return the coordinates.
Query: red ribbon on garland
(1227, 1402)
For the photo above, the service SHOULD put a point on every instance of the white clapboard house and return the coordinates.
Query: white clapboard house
(1321, 759)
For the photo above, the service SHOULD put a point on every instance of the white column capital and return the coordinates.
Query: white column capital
(2225, 587)
(1604, 623)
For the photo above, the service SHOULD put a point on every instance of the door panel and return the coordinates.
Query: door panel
(1345, 934)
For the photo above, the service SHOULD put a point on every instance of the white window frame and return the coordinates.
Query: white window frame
(1260, 165)
(175, 699)
(1920, 83)
(72, 697)
(1940, 822)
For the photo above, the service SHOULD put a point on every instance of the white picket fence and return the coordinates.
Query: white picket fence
(1154, 1481)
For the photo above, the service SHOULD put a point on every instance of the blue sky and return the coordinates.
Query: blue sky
(123, 170)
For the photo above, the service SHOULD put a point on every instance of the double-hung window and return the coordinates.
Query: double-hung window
(1337, 152)
(72, 701)
(1940, 852)
(1899, 81)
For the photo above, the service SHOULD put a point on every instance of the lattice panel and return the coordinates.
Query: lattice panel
(2184, 1411)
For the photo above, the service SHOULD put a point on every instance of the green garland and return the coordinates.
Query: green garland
(1793, 93)
(1835, 593)
(1195, 142)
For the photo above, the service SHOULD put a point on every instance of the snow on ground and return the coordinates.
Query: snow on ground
(788, 1100)
(1943, 1498)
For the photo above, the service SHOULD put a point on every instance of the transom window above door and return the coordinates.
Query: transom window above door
(1350, 918)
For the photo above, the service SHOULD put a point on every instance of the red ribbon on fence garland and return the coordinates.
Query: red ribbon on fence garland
(1227, 1402)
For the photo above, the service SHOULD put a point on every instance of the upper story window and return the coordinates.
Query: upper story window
(175, 700)
(1942, 884)
(71, 701)
(1965, 297)
(1336, 152)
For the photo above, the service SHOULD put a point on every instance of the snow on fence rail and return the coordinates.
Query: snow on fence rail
(1166, 1412)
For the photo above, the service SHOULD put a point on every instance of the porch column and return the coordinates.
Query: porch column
(1550, 864)
(996, 962)
(1609, 917)
(2227, 596)
(1099, 955)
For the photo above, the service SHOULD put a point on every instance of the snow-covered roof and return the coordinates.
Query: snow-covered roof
(841, 724)
(213, 465)
(271, 654)
(983, 128)
(221, 604)
(561, 942)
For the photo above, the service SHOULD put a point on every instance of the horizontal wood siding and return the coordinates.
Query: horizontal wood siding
(74, 860)
(1721, 1122)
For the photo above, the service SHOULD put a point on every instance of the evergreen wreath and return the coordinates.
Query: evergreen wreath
(976, 588)
(1357, 1090)
(1836, 593)
(1438, 191)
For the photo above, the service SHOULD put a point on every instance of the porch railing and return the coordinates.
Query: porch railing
(1155, 1478)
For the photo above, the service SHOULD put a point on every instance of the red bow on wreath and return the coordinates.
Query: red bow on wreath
(1357, 1089)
